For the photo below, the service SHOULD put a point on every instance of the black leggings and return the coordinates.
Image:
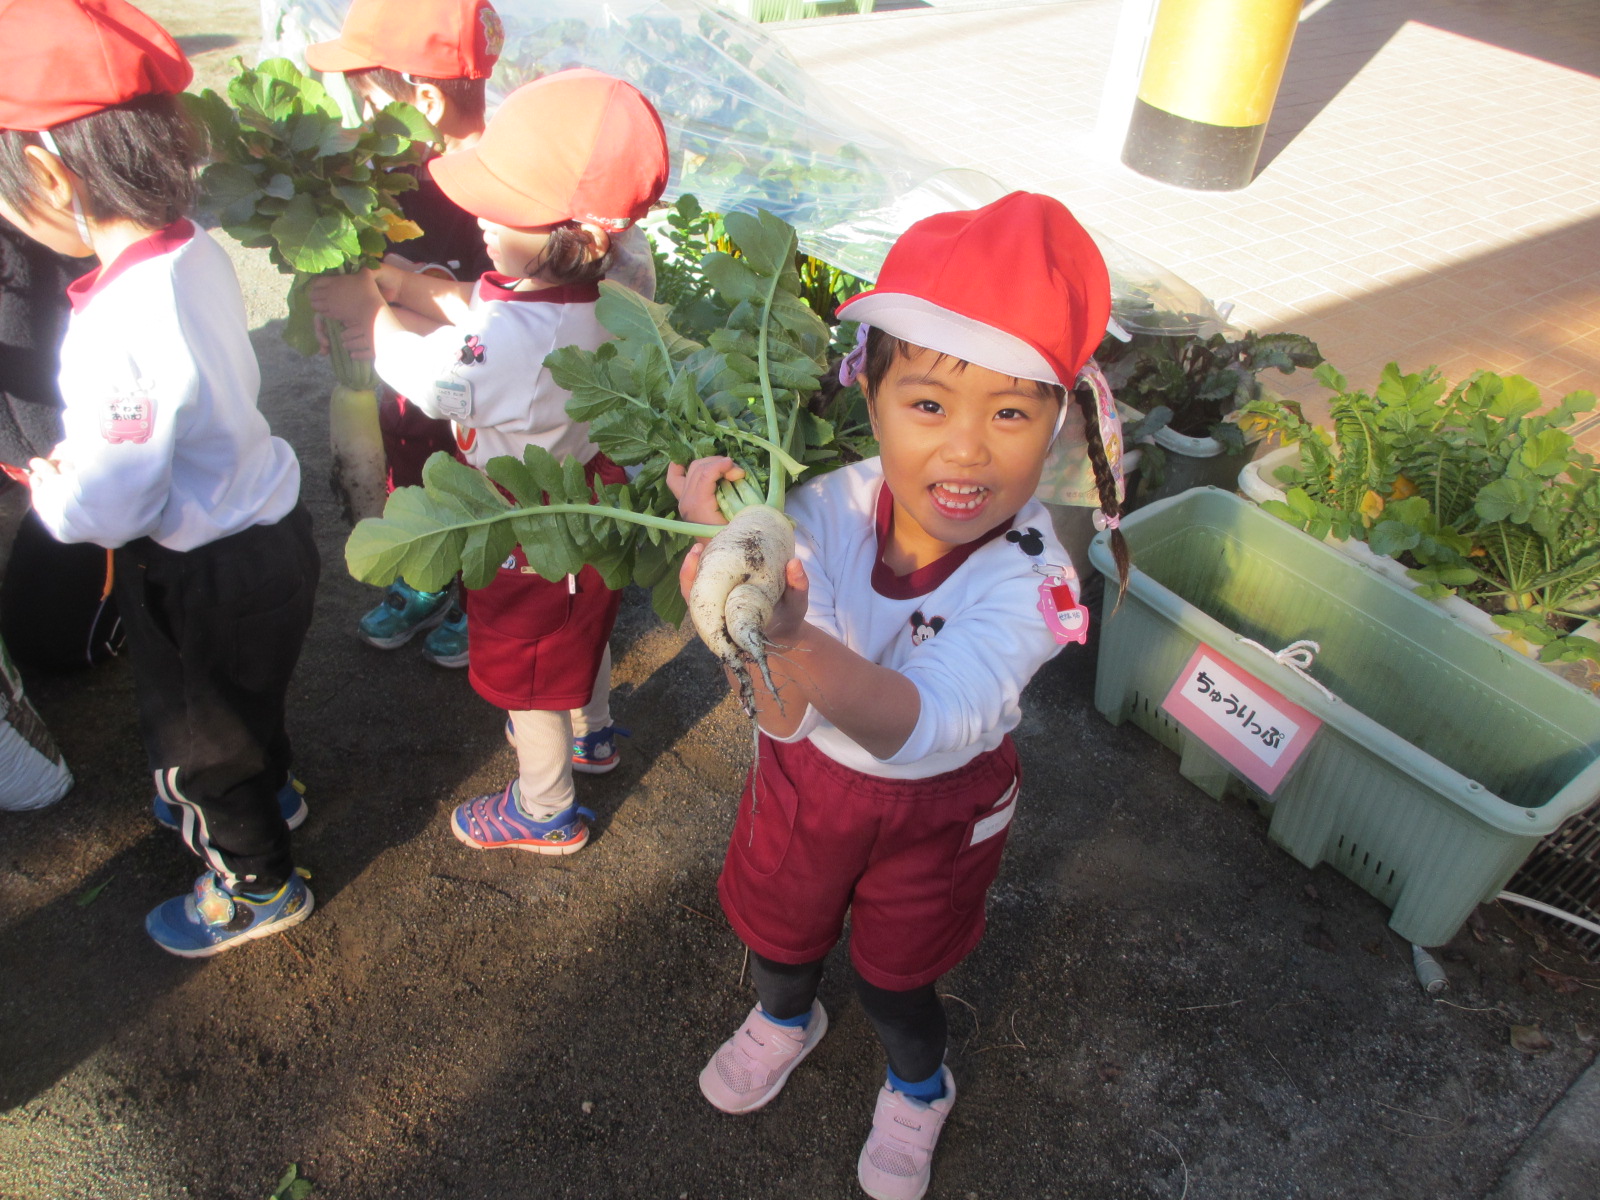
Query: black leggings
(911, 1025)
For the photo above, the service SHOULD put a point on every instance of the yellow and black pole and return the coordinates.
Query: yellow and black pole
(1210, 78)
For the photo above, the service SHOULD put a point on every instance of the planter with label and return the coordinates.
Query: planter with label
(1438, 758)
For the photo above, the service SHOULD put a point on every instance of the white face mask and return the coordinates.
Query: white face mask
(77, 209)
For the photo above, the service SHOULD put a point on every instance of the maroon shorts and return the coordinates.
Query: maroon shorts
(537, 644)
(911, 860)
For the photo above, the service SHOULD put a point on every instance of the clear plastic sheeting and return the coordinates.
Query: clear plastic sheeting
(749, 129)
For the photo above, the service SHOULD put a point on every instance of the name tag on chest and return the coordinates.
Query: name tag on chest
(453, 397)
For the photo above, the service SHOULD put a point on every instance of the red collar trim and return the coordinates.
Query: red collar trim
(494, 286)
(924, 579)
(164, 241)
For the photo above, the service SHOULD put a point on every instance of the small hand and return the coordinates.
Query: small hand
(353, 301)
(789, 614)
(695, 486)
(348, 299)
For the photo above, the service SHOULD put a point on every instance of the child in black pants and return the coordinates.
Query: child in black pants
(165, 458)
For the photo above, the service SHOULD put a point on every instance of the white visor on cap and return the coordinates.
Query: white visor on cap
(923, 323)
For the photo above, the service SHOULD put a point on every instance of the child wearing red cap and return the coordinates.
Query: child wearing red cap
(437, 55)
(927, 589)
(165, 458)
(568, 163)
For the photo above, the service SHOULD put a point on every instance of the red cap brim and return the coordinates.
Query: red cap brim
(335, 56)
(464, 178)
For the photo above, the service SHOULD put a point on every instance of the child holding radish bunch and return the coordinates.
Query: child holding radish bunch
(926, 589)
(165, 458)
(566, 165)
(437, 56)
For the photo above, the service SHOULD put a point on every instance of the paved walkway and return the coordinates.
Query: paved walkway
(1429, 189)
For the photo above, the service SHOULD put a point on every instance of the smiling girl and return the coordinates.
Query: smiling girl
(927, 590)
(567, 164)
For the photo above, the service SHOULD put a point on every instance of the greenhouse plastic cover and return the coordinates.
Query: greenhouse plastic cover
(748, 129)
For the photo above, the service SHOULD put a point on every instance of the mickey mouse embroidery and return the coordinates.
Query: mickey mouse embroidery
(923, 628)
(471, 350)
(1030, 540)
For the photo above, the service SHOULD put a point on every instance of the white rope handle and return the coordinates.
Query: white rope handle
(1298, 657)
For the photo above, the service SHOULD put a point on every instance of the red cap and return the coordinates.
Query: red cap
(577, 145)
(436, 39)
(64, 59)
(1017, 286)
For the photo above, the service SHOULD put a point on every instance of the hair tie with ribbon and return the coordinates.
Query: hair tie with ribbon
(850, 367)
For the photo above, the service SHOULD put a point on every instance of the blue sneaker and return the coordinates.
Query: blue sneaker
(494, 822)
(404, 613)
(291, 803)
(447, 645)
(593, 753)
(211, 919)
(596, 753)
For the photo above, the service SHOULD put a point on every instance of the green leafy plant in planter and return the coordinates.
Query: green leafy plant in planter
(288, 177)
(1194, 386)
(1470, 487)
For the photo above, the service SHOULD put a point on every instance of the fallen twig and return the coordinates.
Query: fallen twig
(1181, 1163)
(1286, 1074)
(1198, 1007)
(701, 915)
(976, 1026)
(1564, 974)
(1016, 1045)
(295, 950)
(1498, 1008)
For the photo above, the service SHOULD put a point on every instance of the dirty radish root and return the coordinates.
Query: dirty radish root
(357, 475)
(739, 583)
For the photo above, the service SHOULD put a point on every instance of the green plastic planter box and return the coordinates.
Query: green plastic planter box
(1444, 757)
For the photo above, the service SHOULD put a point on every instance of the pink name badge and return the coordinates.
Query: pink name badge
(128, 419)
(1247, 724)
(1067, 620)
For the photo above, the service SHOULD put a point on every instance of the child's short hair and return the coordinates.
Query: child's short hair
(469, 97)
(136, 160)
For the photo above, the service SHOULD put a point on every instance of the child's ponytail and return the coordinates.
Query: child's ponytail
(1105, 483)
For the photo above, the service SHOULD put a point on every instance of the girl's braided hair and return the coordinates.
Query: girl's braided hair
(1104, 481)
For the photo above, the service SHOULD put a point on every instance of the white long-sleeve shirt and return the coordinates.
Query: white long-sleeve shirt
(486, 374)
(162, 437)
(966, 630)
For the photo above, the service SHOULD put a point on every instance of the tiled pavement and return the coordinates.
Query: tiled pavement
(1428, 192)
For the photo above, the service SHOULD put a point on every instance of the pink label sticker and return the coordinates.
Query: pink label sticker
(1250, 726)
(1067, 620)
(128, 419)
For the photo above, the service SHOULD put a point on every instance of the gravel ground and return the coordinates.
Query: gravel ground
(1166, 1004)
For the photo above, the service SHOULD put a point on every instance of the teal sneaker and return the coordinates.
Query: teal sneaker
(211, 919)
(404, 613)
(291, 804)
(447, 645)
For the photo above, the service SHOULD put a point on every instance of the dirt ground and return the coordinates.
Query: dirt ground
(1166, 1004)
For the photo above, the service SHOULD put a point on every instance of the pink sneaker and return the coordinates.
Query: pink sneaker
(752, 1066)
(897, 1161)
